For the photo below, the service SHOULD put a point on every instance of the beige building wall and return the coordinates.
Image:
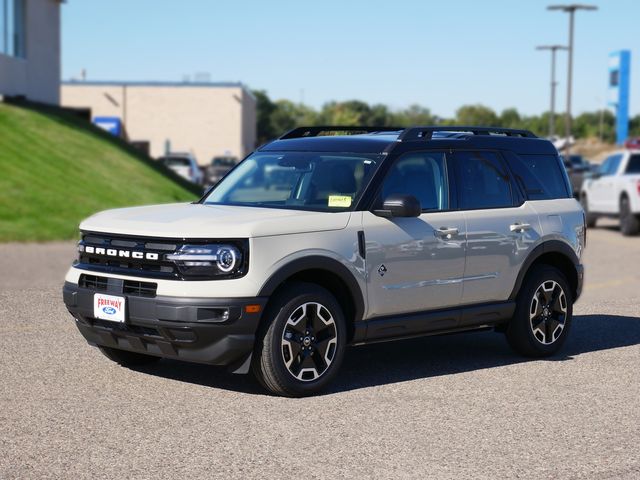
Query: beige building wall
(37, 76)
(205, 119)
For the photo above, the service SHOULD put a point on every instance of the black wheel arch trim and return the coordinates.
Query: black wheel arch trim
(550, 246)
(318, 262)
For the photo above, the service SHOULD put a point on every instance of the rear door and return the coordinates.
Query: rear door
(501, 227)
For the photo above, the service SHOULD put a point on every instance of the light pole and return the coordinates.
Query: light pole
(571, 10)
(552, 110)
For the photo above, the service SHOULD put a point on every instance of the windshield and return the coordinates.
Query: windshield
(297, 180)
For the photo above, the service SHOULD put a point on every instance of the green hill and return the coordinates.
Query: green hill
(56, 169)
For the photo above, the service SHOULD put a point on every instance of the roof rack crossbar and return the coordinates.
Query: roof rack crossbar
(426, 133)
(301, 132)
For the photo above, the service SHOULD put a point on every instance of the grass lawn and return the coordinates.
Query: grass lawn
(56, 169)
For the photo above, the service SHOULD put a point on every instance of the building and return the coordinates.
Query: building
(30, 49)
(206, 119)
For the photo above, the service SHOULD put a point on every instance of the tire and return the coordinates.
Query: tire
(301, 345)
(535, 330)
(590, 218)
(127, 359)
(629, 223)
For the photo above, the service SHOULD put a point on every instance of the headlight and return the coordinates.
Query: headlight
(209, 260)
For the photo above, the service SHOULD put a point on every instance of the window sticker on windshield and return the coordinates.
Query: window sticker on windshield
(339, 201)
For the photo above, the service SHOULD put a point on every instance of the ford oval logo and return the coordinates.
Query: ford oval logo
(109, 310)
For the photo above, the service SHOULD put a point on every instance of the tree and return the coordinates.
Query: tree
(275, 118)
(414, 115)
(265, 109)
(352, 112)
(288, 115)
(634, 126)
(510, 118)
(476, 115)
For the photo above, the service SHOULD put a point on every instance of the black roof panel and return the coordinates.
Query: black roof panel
(381, 142)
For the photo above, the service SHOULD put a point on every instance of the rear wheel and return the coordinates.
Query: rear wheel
(544, 310)
(629, 223)
(590, 218)
(127, 359)
(300, 351)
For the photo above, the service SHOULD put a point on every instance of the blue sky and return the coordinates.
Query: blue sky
(440, 54)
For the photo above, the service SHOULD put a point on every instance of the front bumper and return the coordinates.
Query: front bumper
(189, 329)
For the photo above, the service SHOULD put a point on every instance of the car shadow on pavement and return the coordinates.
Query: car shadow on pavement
(392, 362)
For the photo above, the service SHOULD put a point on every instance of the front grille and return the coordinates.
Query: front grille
(146, 257)
(115, 254)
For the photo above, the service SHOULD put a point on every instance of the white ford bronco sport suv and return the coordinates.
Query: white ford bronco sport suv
(614, 191)
(318, 241)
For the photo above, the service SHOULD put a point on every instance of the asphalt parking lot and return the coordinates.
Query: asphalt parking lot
(460, 406)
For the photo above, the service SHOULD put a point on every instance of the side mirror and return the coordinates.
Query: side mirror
(397, 205)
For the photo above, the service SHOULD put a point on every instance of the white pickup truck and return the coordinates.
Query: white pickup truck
(614, 191)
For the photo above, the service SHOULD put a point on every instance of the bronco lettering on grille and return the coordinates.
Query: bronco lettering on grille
(112, 252)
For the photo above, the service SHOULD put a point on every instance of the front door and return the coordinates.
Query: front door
(415, 264)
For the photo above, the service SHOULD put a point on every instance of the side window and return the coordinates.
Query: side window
(481, 181)
(421, 174)
(610, 165)
(633, 167)
(540, 176)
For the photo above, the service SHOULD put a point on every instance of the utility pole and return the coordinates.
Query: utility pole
(552, 109)
(571, 10)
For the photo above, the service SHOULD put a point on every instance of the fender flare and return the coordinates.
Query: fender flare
(317, 262)
(550, 246)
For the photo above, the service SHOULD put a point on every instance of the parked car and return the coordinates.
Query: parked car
(185, 165)
(219, 167)
(577, 168)
(614, 191)
(561, 142)
(382, 235)
(632, 144)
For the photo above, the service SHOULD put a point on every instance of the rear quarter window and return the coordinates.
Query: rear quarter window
(541, 177)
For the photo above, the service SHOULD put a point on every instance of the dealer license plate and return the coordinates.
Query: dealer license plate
(108, 307)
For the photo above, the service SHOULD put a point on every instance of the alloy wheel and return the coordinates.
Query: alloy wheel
(548, 312)
(309, 341)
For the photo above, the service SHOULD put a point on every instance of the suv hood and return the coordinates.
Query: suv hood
(211, 221)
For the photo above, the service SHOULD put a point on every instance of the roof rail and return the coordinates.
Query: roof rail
(426, 133)
(316, 131)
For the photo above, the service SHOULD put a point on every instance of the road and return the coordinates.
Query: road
(459, 406)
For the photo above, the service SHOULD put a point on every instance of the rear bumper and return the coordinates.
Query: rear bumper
(189, 329)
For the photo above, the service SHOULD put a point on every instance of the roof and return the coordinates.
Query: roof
(154, 83)
(384, 139)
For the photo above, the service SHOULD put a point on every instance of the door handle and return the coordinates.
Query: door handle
(519, 227)
(446, 232)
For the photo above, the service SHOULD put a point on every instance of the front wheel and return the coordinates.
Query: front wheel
(629, 223)
(544, 310)
(301, 348)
